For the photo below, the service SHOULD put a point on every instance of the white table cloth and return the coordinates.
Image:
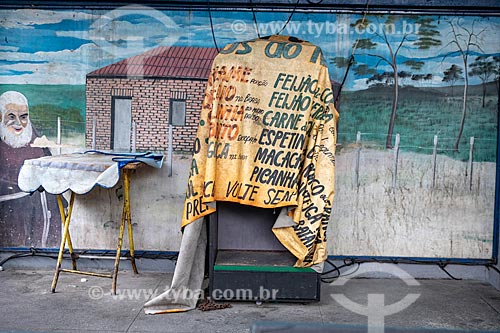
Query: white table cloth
(79, 172)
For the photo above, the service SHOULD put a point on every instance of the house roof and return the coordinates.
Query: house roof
(163, 61)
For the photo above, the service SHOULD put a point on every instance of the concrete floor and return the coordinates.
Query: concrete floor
(27, 305)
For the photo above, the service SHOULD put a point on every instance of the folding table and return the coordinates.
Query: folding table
(78, 174)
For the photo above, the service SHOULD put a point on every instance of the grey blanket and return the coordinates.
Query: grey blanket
(186, 287)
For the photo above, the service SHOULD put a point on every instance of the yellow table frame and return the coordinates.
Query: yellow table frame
(66, 238)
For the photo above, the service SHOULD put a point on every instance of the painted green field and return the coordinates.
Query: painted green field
(421, 114)
(63, 96)
(48, 102)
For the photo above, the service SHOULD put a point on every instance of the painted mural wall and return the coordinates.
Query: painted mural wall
(417, 132)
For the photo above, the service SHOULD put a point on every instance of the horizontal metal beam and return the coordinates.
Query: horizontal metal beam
(466, 7)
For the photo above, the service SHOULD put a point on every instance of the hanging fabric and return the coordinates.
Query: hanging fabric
(266, 138)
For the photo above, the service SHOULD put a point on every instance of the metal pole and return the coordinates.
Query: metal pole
(94, 129)
(134, 136)
(396, 157)
(170, 148)
(434, 161)
(471, 160)
(64, 238)
(358, 157)
(59, 135)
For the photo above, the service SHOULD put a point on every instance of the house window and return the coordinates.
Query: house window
(177, 116)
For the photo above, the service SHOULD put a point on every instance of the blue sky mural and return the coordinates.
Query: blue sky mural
(46, 55)
(407, 81)
(60, 47)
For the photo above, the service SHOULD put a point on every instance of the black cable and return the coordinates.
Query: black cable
(354, 271)
(255, 19)
(442, 265)
(212, 25)
(35, 252)
(329, 279)
(17, 255)
(332, 270)
(289, 17)
(443, 268)
(493, 267)
(351, 58)
(351, 62)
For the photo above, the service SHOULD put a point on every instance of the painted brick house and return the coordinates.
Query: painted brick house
(164, 86)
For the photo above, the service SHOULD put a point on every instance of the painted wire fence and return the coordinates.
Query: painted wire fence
(69, 136)
(407, 163)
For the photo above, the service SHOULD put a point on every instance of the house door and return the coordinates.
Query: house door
(122, 124)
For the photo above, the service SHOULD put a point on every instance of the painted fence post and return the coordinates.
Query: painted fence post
(59, 135)
(134, 136)
(94, 129)
(358, 157)
(471, 161)
(170, 148)
(396, 157)
(434, 161)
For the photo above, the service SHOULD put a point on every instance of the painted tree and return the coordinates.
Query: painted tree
(464, 39)
(420, 78)
(340, 62)
(358, 69)
(404, 76)
(496, 60)
(424, 37)
(484, 68)
(428, 77)
(385, 79)
(452, 75)
(414, 64)
(363, 70)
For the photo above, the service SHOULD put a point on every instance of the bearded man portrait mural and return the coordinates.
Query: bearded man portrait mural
(25, 220)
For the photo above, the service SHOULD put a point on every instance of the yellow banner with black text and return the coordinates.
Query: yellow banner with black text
(266, 138)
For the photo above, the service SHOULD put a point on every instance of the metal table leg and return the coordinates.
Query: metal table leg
(126, 218)
(66, 238)
(63, 219)
(66, 218)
